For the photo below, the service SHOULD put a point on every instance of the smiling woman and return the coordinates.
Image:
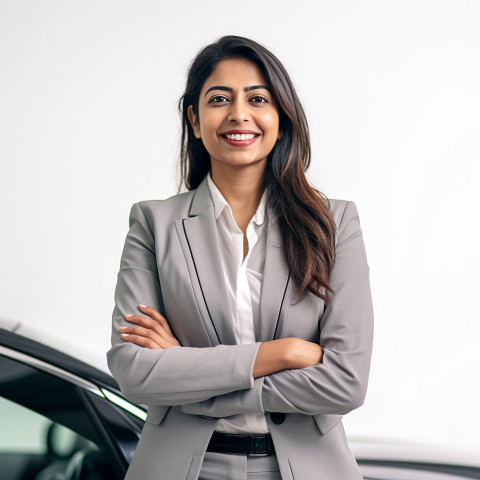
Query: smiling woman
(236, 110)
(243, 315)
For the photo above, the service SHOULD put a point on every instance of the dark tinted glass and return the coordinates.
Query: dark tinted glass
(46, 394)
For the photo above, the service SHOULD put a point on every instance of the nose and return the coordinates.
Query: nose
(238, 112)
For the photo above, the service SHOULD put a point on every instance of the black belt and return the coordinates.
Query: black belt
(259, 444)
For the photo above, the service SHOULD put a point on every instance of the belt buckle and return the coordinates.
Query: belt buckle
(255, 444)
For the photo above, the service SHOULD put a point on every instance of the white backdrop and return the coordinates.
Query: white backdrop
(88, 124)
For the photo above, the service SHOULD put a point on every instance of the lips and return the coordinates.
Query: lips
(240, 138)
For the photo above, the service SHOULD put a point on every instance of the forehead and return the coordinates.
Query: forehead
(235, 72)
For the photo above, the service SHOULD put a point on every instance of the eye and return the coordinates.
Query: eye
(218, 99)
(259, 99)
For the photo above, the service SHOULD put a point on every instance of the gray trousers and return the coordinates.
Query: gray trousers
(220, 466)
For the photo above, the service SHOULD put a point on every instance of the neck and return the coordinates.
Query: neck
(242, 189)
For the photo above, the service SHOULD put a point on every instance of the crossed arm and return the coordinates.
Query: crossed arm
(151, 330)
(288, 375)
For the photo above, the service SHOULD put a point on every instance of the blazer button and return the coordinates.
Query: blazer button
(277, 418)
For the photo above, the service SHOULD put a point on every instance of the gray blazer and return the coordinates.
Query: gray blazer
(170, 262)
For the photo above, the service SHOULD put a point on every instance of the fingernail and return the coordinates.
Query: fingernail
(124, 334)
(128, 316)
(123, 328)
(142, 305)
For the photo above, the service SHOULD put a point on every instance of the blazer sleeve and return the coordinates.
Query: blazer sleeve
(177, 375)
(338, 384)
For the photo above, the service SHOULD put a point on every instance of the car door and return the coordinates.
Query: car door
(56, 423)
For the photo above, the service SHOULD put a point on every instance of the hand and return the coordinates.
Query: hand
(285, 354)
(302, 353)
(151, 332)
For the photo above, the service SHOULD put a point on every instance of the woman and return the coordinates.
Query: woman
(257, 333)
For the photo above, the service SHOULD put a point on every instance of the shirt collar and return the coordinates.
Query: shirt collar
(220, 204)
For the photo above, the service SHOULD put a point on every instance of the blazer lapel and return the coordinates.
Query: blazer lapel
(275, 295)
(200, 233)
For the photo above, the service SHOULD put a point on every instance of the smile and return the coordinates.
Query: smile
(240, 139)
(238, 136)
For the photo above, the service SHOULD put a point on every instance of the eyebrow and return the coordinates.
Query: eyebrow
(229, 89)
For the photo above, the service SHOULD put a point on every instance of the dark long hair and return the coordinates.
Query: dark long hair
(306, 226)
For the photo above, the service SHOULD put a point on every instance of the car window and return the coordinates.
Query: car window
(32, 446)
(48, 426)
(23, 431)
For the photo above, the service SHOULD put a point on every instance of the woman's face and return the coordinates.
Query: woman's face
(238, 120)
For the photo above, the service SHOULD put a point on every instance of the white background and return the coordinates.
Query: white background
(88, 123)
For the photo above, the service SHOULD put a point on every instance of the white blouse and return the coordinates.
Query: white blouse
(243, 279)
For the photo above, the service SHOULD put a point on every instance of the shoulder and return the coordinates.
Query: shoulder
(345, 215)
(342, 211)
(350, 256)
(177, 204)
(170, 209)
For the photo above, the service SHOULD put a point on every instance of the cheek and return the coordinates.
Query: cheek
(271, 121)
(208, 126)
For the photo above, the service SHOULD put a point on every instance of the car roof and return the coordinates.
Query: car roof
(54, 357)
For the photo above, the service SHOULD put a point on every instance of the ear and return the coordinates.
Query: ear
(192, 118)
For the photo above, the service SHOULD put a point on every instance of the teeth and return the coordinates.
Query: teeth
(238, 136)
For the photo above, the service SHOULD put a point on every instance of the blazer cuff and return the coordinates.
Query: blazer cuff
(248, 401)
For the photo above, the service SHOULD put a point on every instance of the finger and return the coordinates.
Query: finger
(142, 331)
(146, 322)
(151, 312)
(151, 339)
(151, 324)
(141, 341)
(155, 314)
